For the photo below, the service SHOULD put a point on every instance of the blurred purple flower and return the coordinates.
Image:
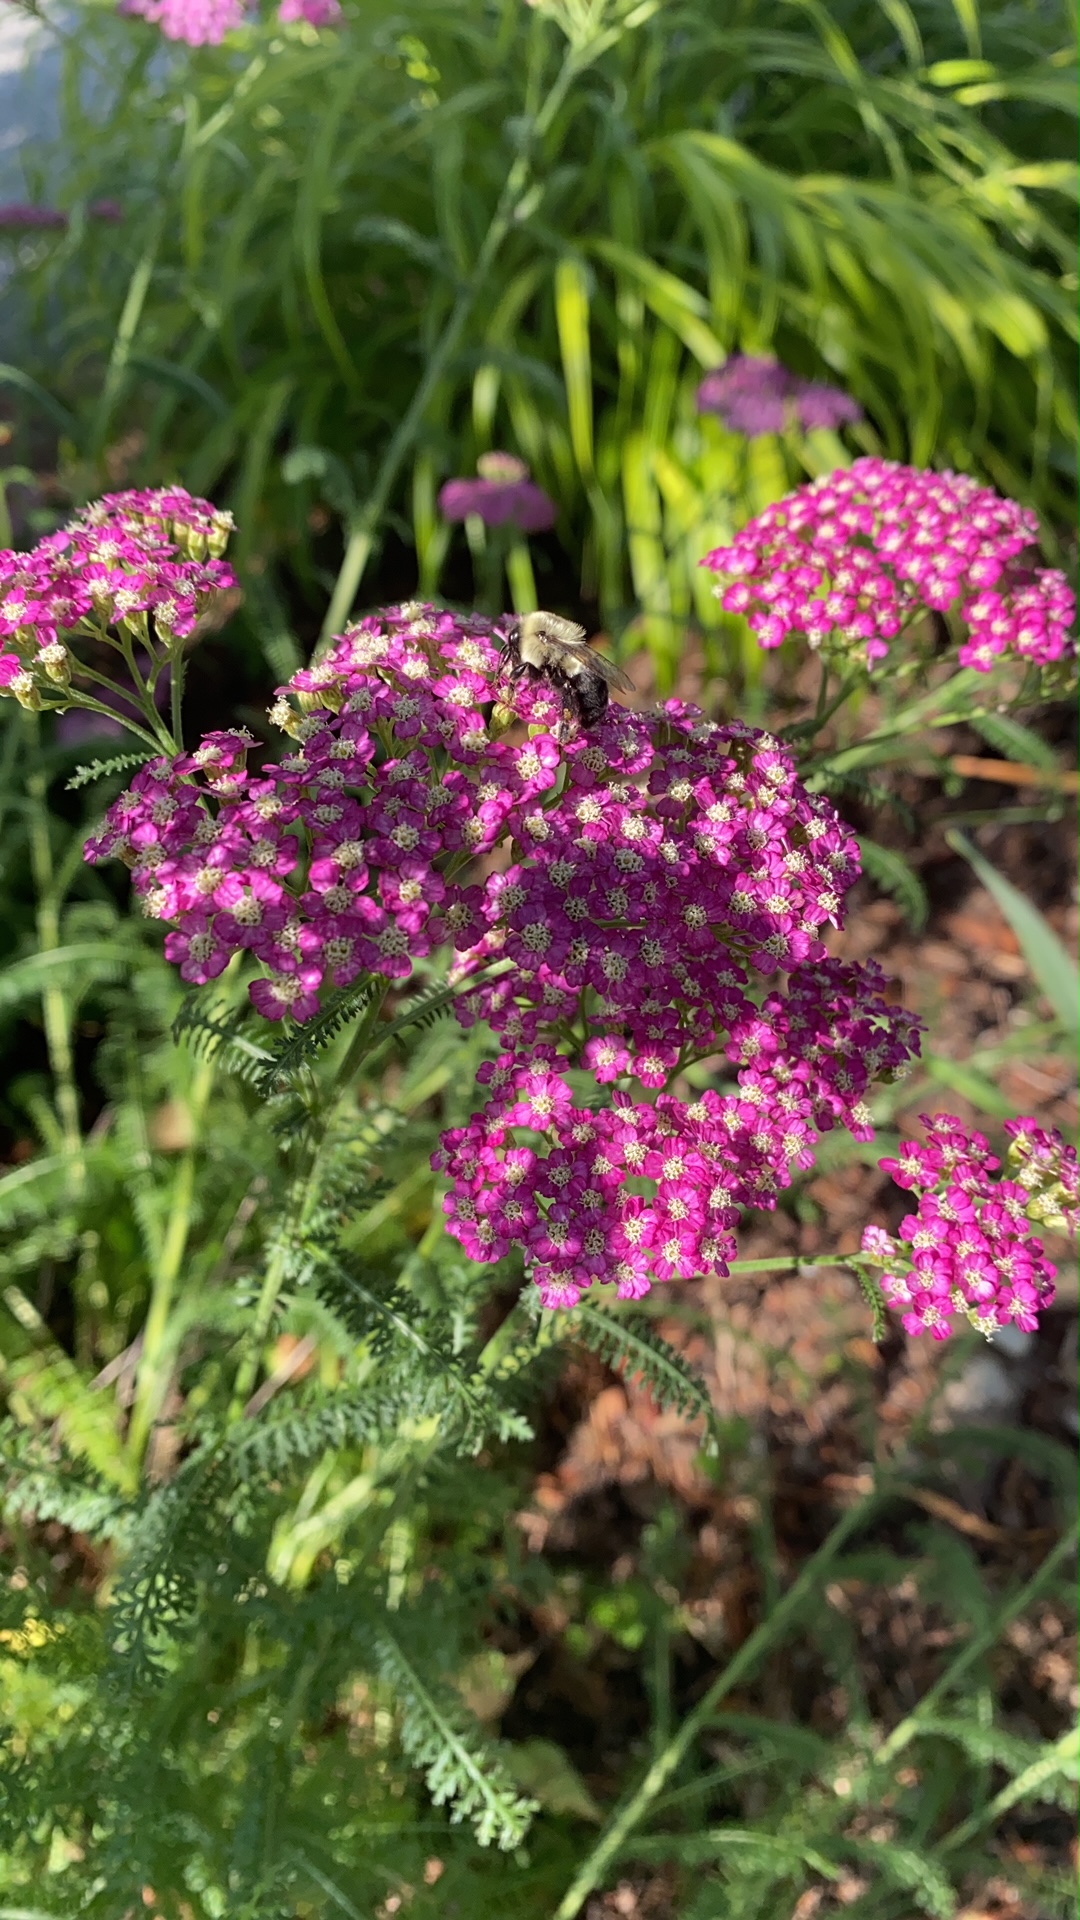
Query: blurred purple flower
(820, 406)
(502, 494)
(317, 13)
(15, 217)
(749, 394)
(754, 395)
(75, 729)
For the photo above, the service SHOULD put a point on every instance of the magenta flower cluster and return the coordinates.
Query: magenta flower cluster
(204, 23)
(612, 897)
(199, 23)
(317, 13)
(966, 1251)
(754, 395)
(501, 495)
(850, 560)
(639, 1189)
(129, 559)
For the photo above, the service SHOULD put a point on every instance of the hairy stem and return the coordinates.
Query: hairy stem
(54, 1002)
(305, 1192)
(176, 697)
(155, 1362)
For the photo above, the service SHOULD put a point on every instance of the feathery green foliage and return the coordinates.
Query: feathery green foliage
(288, 1436)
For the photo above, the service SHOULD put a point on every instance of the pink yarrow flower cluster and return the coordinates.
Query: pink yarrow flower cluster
(199, 23)
(755, 395)
(649, 1185)
(317, 13)
(130, 559)
(966, 1252)
(849, 560)
(205, 23)
(612, 897)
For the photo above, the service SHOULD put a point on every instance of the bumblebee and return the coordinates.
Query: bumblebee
(547, 647)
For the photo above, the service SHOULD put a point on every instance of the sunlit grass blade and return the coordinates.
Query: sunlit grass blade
(1053, 968)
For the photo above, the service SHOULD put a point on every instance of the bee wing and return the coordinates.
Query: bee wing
(608, 671)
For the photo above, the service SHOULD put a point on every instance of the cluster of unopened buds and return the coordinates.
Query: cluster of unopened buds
(135, 572)
(613, 897)
(966, 1252)
(849, 561)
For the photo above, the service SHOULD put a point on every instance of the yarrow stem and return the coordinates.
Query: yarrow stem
(54, 1001)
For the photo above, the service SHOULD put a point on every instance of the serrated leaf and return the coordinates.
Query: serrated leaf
(15, 1184)
(101, 769)
(286, 1059)
(1016, 742)
(215, 1033)
(915, 1872)
(1054, 968)
(635, 1346)
(983, 1744)
(894, 874)
(461, 1769)
(756, 1851)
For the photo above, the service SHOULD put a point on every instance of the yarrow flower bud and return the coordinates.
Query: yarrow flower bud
(1046, 1167)
(966, 1251)
(649, 870)
(849, 560)
(134, 555)
(755, 395)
